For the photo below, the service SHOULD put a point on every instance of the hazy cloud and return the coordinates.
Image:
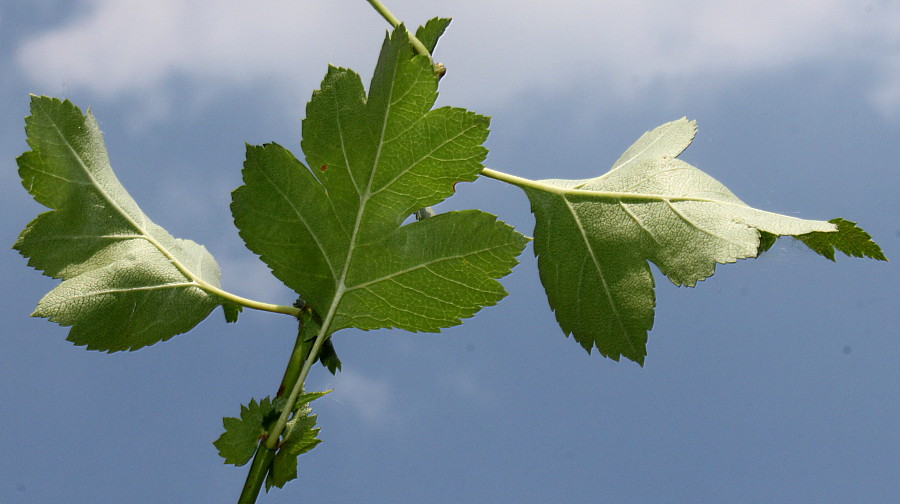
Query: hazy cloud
(496, 50)
(466, 385)
(369, 397)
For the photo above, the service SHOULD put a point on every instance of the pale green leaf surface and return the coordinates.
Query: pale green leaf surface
(127, 283)
(333, 233)
(594, 238)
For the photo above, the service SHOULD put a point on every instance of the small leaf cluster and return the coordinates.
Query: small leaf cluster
(243, 435)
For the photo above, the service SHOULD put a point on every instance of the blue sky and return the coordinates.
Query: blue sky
(773, 381)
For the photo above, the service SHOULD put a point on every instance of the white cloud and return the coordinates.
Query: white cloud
(126, 46)
(627, 44)
(369, 397)
(496, 49)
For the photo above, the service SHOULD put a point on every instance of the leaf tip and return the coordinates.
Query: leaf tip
(847, 238)
(231, 311)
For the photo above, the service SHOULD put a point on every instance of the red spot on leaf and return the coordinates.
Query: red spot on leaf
(323, 167)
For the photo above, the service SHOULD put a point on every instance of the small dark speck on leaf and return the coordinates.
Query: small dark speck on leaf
(323, 167)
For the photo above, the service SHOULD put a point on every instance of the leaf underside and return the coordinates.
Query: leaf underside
(127, 283)
(594, 238)
(331, 229)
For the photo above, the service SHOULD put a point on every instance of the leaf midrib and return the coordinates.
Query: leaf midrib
(617, 196)
(341, 286)
(172, 285)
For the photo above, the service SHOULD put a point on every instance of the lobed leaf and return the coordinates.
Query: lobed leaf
(332, 229)
(239, 442)
(595, 238)
(127, 283)
(242, 435)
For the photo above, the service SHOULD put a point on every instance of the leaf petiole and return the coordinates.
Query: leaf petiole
(511, 179)
(595, 194)
(248, 303)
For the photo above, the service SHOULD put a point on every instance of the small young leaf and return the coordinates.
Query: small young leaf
(429, 34)
(231, 312)
(239, 441)
(299, 437)
(328, 357)
(242, 435)
(335, 236)
(766, 241)
(309, 330)
(594, 238)
(127, 283)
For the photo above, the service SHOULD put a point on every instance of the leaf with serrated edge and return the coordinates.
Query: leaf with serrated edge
(127, 283)
(333, 232)
(239, 441)
(242, 435)
(429, 34)
(299, 437)
(594, 238)
(851, 240)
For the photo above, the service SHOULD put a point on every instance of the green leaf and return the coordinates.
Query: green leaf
(239, 442)
(849, 239)
(242, 435)
(232, 311)
(333, 233)
(328, 357)
(766, 241)
(594, 238)
(429, 34)
(299, 437)
(311, 324)
(127, 283)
